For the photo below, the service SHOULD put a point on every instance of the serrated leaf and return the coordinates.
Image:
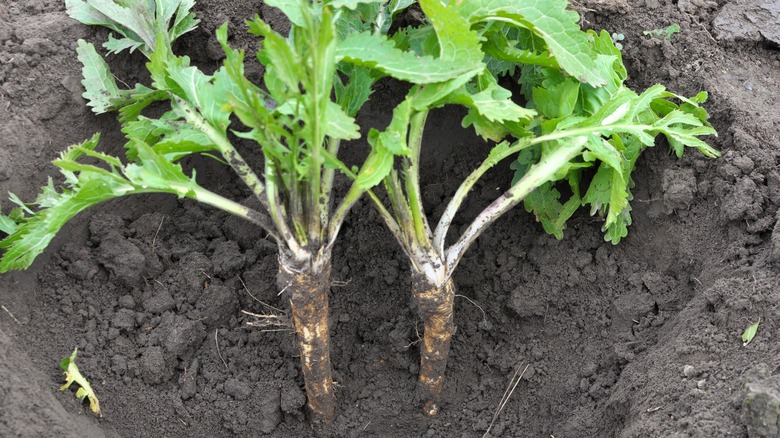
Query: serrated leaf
(604, 151)
(286, 62)
(375, 51)
(557, 100)
(608, 194)
(102, 92)
(140, 23)
(394, 137)
(7, 225)
(88, 185)
(137, 100)
(545, 205)
(557, 26)
(356, 92)
(339, 124)
(73, 375)
(115, 46)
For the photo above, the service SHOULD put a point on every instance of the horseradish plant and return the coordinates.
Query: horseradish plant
(578, 115)
(312, 87)
(580, 127)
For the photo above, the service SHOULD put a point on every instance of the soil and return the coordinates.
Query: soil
(636, 340)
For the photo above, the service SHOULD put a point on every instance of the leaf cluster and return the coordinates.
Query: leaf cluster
(73, 375)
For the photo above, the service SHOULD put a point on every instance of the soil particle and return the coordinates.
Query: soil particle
(525, 305)
(158, 301)
(124, 319)
(127, 301)
(178, 335)
(293, 398)
(218, 304)
(627, 310)
(227, 258)
(744, 201)
(191, 272)
(153, 369)
(237, 389)
(123, 260)
(679, 187)
(775, 254)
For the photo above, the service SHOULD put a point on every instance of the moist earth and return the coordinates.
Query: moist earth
(642, 339)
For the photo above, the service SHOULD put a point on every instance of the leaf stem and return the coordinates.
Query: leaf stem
(537, 175)
(226, 148)
(412, 178)
(258, 218)
(440, 234)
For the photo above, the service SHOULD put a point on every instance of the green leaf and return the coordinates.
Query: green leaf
(604, 151)
(356, 92)
(607, 193)
(7, 225)
(140, 23)
(557, 100)
(137, 100)
(375, 51)
(339, 124)
(550, 20)
(545, 205)
(72, 374)
(375, 168)
(351, 4)
(35, 233)
(102, 92)
(280, 55)
(393, 138)
(293, 9)
(750, 333)
(88, 185)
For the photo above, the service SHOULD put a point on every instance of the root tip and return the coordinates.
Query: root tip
(431, 408)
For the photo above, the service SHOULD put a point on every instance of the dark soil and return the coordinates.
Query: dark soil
(636, 340)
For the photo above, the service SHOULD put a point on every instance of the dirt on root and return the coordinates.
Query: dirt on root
(636, 340)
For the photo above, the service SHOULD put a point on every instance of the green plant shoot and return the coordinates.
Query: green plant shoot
(750, 333)
(72, 374)
(666, 33)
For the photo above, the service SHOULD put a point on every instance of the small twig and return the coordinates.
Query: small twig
(11, 315)
(285, 288)
(340, 283)
(154, 239)
(484, 316)
(510, 389)
(261, 302)
(216, 341)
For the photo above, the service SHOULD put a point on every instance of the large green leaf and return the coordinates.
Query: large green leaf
(140, 23)
(101, 90)
(550, 20)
